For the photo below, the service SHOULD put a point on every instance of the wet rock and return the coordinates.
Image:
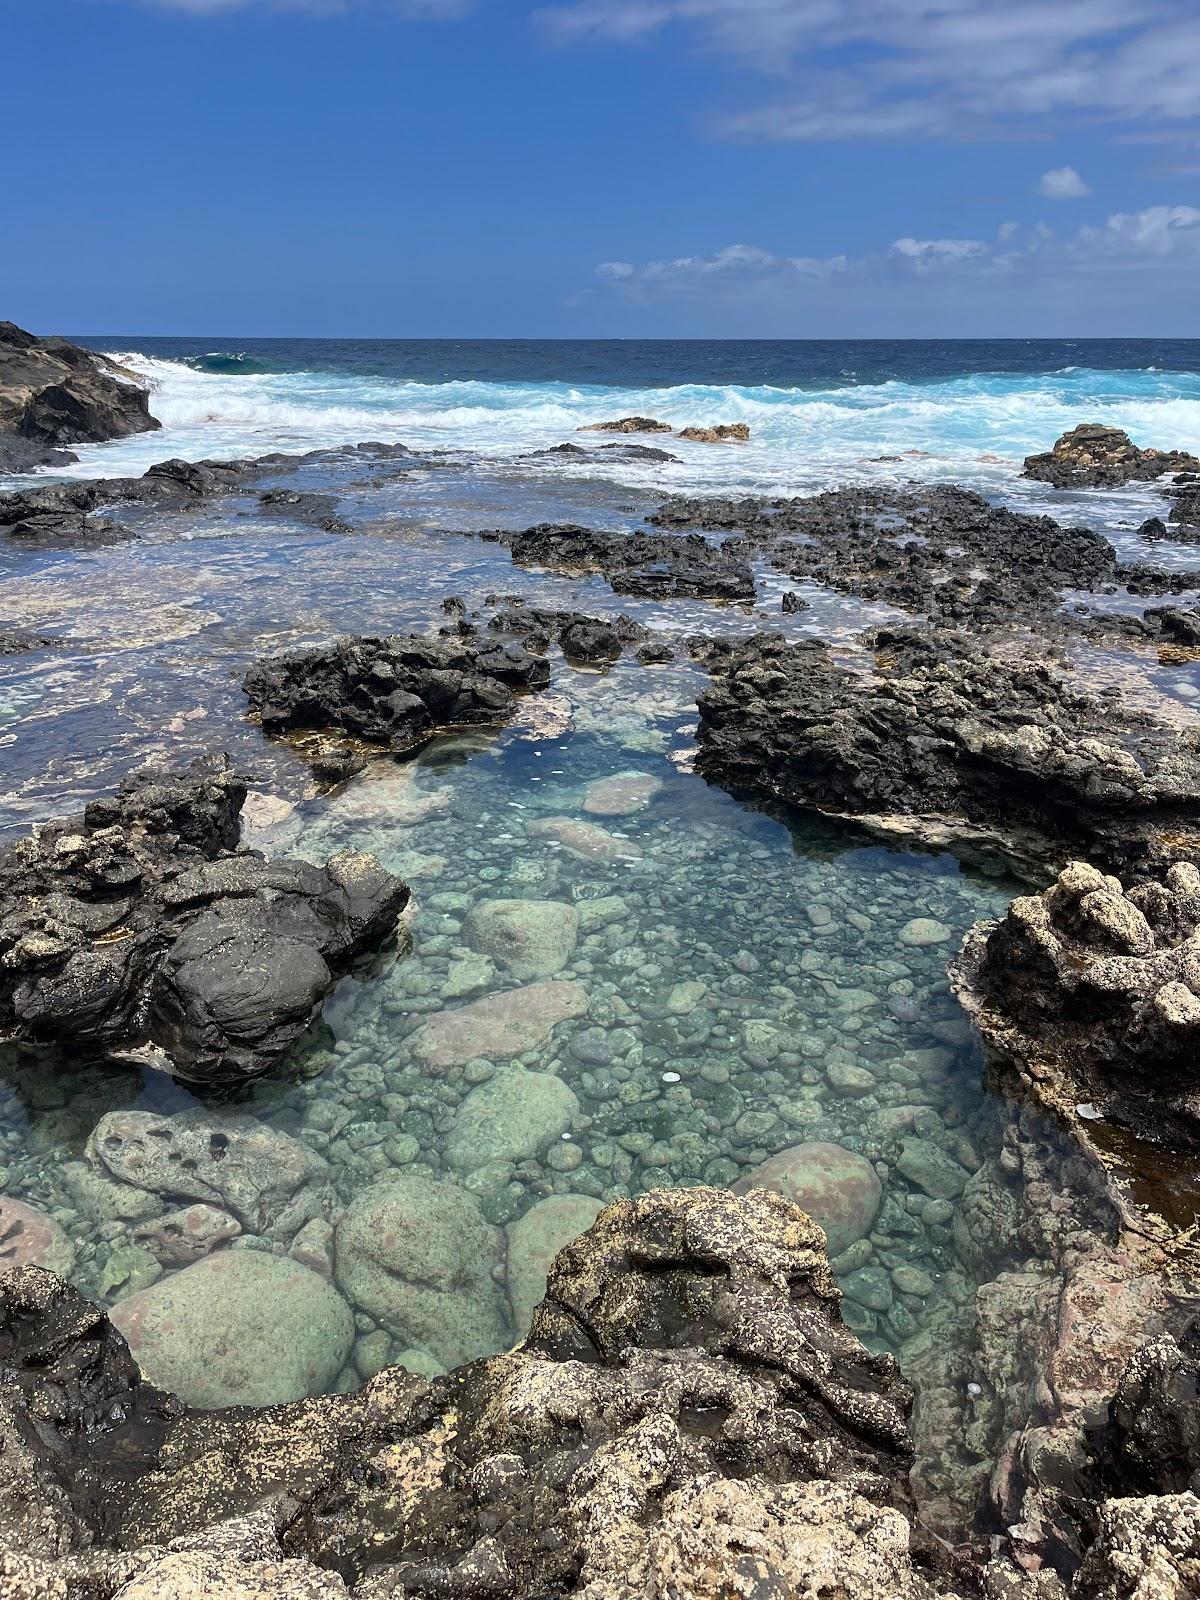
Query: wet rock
(1096, 990)
(1007, 757)
(649, 565)
(1146, 1550)
(56, 393)
(1150, 1442)
(239, 1328)
(181, 1237)
(928, 1166)
(584, 839)
(723, 433)
(1093, 456)
(417, 1256)
(529, 938)
(621, 795)
(839, 1190)
(29, 1238)
(141, 926)
(267, 1180)
(499, 1026)
(395, 692)
(922, 931)
(535, 1239)
(627, 425)
(513, 1115)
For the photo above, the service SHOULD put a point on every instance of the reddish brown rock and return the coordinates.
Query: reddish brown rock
(29, 1238)
(499, 1026)
(838, 1189)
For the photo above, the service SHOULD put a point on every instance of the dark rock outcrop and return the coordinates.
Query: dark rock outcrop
(1094, 456)
(942, 552)
(141, 925)
(396, 691)
(652, 565)
(583, 639)
(627, 425)
(55, 393)
(953, 744)
(723, 433)
(688, 1416)
(1095, 991)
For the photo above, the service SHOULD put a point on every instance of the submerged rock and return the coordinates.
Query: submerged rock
(512, 1116)
(534, 1241)
(396, 691)
(585, 839)
(499, 1026)
(529, 938)
(418, 1257)
(621, 795)
(1095, 990)
(55, 392)
(29, 1238)
(952, 743)
(1094, 456)
(239, 1328)
(141, 924)
(839, 1190)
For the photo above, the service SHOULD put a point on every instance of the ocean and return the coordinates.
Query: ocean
(820, 412)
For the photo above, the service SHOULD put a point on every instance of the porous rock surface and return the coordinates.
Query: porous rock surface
(396, 691)
(1095, 990)
(141, 924)
(1094, 456)
(955, 743)
(656, 566)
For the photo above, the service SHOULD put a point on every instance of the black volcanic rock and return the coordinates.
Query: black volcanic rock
(1094, 456)
(953, 743)
(395, 691)
(55, 393)
(656, 566)
(140, 926)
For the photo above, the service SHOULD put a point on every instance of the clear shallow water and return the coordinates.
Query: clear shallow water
(731, 984)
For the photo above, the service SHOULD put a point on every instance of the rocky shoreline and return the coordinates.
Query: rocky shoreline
(691, 1413)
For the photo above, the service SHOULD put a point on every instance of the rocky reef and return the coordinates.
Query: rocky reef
(649, 565)
(54, 393)
(393, 692)
(1095, 991)
(953, 742)
(1094, 456)
(687, 1416)
(141, 925)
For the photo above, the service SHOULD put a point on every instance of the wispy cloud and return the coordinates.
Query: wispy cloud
(1144, 238)
(870, 69)
(1062, 183)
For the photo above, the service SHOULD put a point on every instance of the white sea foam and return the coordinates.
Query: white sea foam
(801, 439)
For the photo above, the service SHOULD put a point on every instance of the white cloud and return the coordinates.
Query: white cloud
(926, 68)
(735, 264)
(926, 251)
(1062, 183)
(1156, 232)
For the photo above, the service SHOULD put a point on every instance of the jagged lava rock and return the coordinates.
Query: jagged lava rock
(653, 565)
(627, 425)
(57, 393)
(722, 433)
(395, 691)
(1096, 991)
(417, 1255)
(141, 924)
(498, 1026)
(241, 1327)
(839, 1190)
(951, 743)
(1094, 456)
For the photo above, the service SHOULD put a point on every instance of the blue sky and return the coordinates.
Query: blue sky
(644, 168)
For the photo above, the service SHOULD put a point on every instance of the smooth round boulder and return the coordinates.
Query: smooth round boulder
(533, 1242)
(240, 1328)
(417, 1254)
(515, 1114)
(529, 938)
(29, 1238)
(840, 1191)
